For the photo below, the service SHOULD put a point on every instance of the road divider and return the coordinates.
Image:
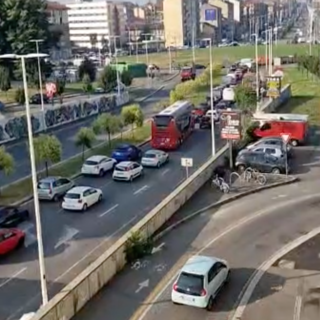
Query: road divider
(77, 293)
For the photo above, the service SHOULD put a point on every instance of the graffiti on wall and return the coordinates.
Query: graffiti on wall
(16, 128)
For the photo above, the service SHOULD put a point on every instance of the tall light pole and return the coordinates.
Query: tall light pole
(257, 68)
(37, 41)
(266, 54)
(146, 43)
(42, 268)
(170, 59)
(117, 66)
(271, 53)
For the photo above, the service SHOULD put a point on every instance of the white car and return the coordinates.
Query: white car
(154, 158)
(97, 165)
(81, 198)
(199, 282)
(127, 171)
(216, 115)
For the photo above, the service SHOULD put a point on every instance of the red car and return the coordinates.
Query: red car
(10, 239)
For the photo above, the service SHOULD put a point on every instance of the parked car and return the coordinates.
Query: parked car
(10, 239)
(200, 281)
(272, 141)
(127, 171)
(274, 150)
(262, 162)
(154, 158)
(36, 99)
(126, 152)
(52, 188)
(98, 165)
(10, 217)
(81, 198)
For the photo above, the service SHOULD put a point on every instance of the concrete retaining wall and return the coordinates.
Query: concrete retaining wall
(77, 293)
(273, 105)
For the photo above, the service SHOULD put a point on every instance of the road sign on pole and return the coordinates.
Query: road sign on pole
(285, 137)
(187, 163)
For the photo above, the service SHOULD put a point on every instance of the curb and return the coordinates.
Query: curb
(223, 202)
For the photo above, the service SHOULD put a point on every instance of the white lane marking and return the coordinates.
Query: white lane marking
(108, 211)
(297, 308)
(250, 286)
(12, 277)
(31, 301)
(141, 190)
(230, 229)
(279, 196)
(68, 234)
(165, 172)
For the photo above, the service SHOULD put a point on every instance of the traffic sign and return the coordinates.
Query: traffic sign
(187, 162)
(286, 137)
(51, 89)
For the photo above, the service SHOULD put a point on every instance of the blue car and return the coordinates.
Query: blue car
(126, 152)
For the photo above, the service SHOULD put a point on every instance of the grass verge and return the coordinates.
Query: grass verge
(23, 188)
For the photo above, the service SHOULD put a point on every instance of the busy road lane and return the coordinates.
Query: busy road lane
(245, 233)
(66, 136)
(73, 240)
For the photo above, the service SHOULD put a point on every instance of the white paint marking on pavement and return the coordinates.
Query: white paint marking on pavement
(230, 229)
(12, 277)
(165, 172)
(279, 196)
(141, 190)
(297, 308)
(246, 294)
(68, 234)
(158, 248)
(108, 211)
(142, 285)
(31, 301)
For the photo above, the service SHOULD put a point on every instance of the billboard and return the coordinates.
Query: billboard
(273, 87)
(210, 15)
(231, 125)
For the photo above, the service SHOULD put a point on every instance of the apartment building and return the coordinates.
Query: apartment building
(211, 28)
(58, 18)
(181, 19)
(91, 23)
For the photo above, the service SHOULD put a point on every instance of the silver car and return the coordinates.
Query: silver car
(53, 188)
(154, 158)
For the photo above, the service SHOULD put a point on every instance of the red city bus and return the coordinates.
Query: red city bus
(172, 126)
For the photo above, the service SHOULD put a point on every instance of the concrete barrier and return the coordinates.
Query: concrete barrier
(273, 104)
(77, 293)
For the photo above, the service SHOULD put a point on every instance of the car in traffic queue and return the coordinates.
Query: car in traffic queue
(11, 217)
(199, 282)
(36, 98)
(126, 152)
(200, 110)
(274, 150)
(262, 162)
(10, 239)
(53, 188)
(98, 165)
(154, 158)
(272, 141)
(81, 198)
(127, 171)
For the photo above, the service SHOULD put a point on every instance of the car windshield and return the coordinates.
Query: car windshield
(149, 155)
(91, 163)
(162, 121)
(72, 196)
(190, 283)
(121, 168)
(186, 69)
(44, 185)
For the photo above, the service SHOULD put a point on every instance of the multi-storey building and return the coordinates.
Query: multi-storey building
(181, 22)
(58, 18)
(211, 28)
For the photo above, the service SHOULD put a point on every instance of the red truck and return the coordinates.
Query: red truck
(188, 73)
(278, 124)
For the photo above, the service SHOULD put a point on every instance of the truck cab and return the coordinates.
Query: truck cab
(188, 73)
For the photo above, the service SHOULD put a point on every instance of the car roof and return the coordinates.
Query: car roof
(96, 158)
(265, 145)
(123, 146)
(124, 164)
(199, 265)
(49, 179)
(153, 151)
(80, 189)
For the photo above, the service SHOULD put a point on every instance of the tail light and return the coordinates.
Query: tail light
(203, 293)
(175, 287)
(80, 201)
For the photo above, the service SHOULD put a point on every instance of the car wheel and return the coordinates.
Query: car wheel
(56, 198)
(158, 164)
(21, 242)
(131, 178)
(100, 198)
(276, 171)
(210, 304)
(85, 207)
(101, 173)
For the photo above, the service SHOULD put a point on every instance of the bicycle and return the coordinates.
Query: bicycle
(221, 184)
(253, 175)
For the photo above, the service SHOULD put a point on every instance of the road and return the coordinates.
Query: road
(67, 134)
(245, 233)
(72, 240)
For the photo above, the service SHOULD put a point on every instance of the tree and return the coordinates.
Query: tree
(85, 138)
(60, 87)
(87, 67)
(175, 96)
(47, 150)
(5, 83)
(245, 98)
(19, 96)
(126, 78)
(108, 79)
(86, 84)
(6, 161)
(132, 115)
(107, 123)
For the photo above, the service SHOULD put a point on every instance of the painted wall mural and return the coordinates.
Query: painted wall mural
(16, 128)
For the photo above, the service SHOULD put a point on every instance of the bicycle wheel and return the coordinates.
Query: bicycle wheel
(261, 179)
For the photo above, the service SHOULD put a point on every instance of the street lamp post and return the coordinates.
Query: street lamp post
(43, 281)
(146, 43)
(116, 56)
(257, 68)
(170, 59)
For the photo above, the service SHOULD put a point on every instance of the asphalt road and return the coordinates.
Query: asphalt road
(72, 240)
(245, 233)
(67, 134)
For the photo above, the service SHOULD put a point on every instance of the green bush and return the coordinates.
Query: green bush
(19, 96)
(126, 78)
(137, 247)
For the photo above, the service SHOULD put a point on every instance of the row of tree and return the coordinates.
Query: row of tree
(48, 148)
(309, 64)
